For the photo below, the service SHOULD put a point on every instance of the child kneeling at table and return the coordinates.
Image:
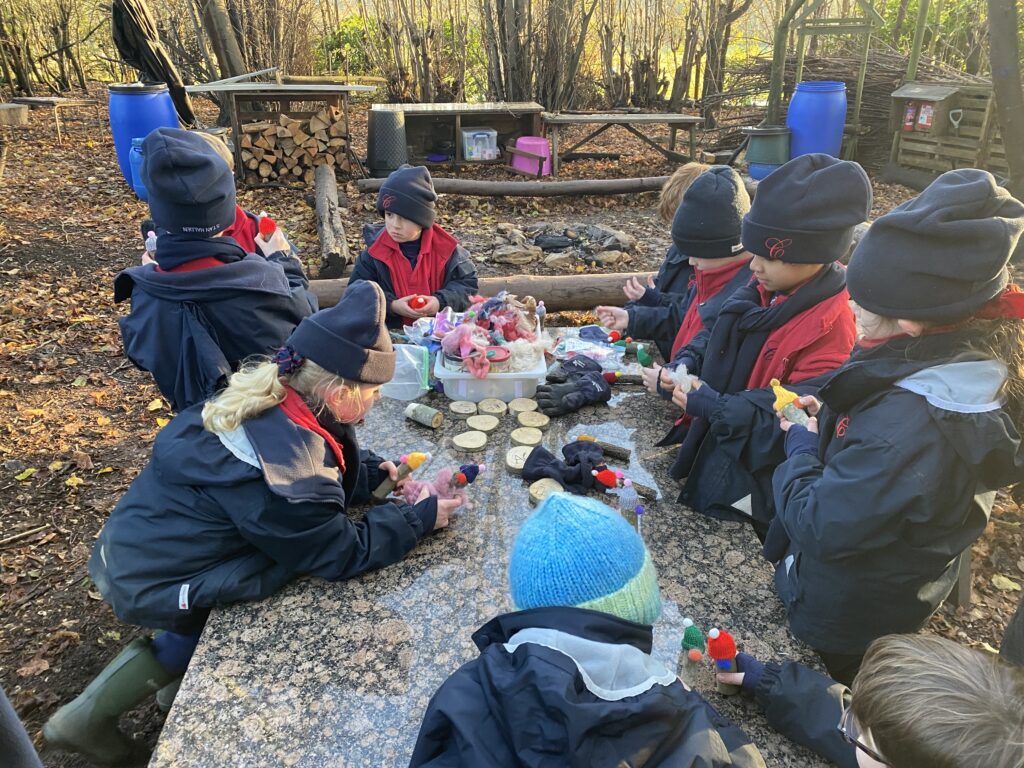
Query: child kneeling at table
(409, 256)
(917, 702)
(568, 679)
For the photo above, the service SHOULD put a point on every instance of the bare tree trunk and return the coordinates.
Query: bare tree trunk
(1004, 54)
(222, 38)
(901, 16)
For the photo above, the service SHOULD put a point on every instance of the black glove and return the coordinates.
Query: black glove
(542, 463)
(574, 366)
(560, 399)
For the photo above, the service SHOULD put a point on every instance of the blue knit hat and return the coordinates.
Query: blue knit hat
(409, 192)
(805, 212)
(575, 551)
(708, 221)
(191, 189)
(350, 339)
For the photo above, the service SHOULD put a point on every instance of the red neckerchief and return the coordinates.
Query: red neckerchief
(206, 262)
(436, 247)
(295, 408)
(709, 282)
(243, 231)
(1009, 305)
(872, 343)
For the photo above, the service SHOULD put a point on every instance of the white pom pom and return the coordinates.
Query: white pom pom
(687, 623)
(714, 633)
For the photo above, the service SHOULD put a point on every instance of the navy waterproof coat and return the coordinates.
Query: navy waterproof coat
(572, 687)
(868, 529)
(217, 519)
(658, 314)
(192, 329)
(460, 280)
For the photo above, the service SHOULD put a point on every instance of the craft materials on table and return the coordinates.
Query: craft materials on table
(516, 458)
(786, 403)
(483, 423)
(628, 500)
(462, 409)
(449, 484)
(543, 488)
(722, 648)
(693, 648)
(407, 465)
(533, 419)
(424, 414)
(468, 442)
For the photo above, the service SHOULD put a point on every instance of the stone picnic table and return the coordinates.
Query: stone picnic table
(339, 674)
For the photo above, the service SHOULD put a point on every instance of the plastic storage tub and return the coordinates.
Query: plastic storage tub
(479, 143)
(504, 386)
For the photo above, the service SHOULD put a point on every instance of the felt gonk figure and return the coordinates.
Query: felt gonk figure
(448, 484)
(787, 403)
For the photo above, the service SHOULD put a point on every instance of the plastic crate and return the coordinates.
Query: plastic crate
(503, 386)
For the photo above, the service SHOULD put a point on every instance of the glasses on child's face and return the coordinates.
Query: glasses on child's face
(851, 734)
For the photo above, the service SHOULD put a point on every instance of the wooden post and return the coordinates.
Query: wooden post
(334, 250)
(915, 48)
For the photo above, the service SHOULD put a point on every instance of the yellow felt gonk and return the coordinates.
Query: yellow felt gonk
(787, 403)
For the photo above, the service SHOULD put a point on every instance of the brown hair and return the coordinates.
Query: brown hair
(928, 701)
(672, 191)
(1004, 340)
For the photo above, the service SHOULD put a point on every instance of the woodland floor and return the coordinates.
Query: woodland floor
(78, 420)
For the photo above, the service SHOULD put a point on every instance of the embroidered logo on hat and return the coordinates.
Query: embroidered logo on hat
(387, 201)
(777, 247)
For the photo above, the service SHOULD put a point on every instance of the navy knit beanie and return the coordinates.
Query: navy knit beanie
(942, 255)
(191, 189)
(409, 192)
(709, 219)
(805, 211)
(349, 339)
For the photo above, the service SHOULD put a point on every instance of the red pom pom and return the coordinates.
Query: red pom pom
(267, 227)
(460, 478)
(721, 646)
(418, 302)
(614, 336)
(611, 376)
(606, 478)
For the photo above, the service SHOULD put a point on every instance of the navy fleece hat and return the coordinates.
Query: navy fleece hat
(191, 189)
(805, 211)
(409, 192)
(349, 339)
(709, 219)
(942, 255)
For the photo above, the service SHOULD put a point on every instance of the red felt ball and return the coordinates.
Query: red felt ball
(605, 477)
(614, 336)
(418, 302)
(267, 227)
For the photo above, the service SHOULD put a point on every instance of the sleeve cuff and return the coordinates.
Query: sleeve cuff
(700, 403)
(769, 679)
(426, 511)
(799, 439)
(651, 297)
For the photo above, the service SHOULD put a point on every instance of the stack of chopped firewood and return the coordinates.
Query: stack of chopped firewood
(290, 149)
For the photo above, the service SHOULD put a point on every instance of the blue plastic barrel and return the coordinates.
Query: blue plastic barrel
(135, 161)
(135, 110)
(816, 117)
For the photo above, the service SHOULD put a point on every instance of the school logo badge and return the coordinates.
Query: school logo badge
(387, 201)
(777, 247)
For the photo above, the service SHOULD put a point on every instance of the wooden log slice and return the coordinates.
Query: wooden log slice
(424, 414)
(470, 441)
(529, 436)
(534, 419)
(483, 423)
(522, 405)
(462, 409)
(515, 458)
(544, 488)
(492, 406)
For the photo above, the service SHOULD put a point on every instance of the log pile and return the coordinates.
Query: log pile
(289, 149)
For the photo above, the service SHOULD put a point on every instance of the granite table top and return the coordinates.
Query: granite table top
(339, 674)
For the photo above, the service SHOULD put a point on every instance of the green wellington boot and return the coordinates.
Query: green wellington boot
(165, 696)
(88, 725)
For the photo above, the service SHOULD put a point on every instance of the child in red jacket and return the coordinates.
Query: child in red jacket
(792, 322)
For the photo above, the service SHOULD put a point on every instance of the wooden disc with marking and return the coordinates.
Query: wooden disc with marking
(515, 458)
(530, 436)
(483, 423)
(544, 488)
(462, 409)
(522, 405)
(492, 406)
(534, 419)
(470, 441)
